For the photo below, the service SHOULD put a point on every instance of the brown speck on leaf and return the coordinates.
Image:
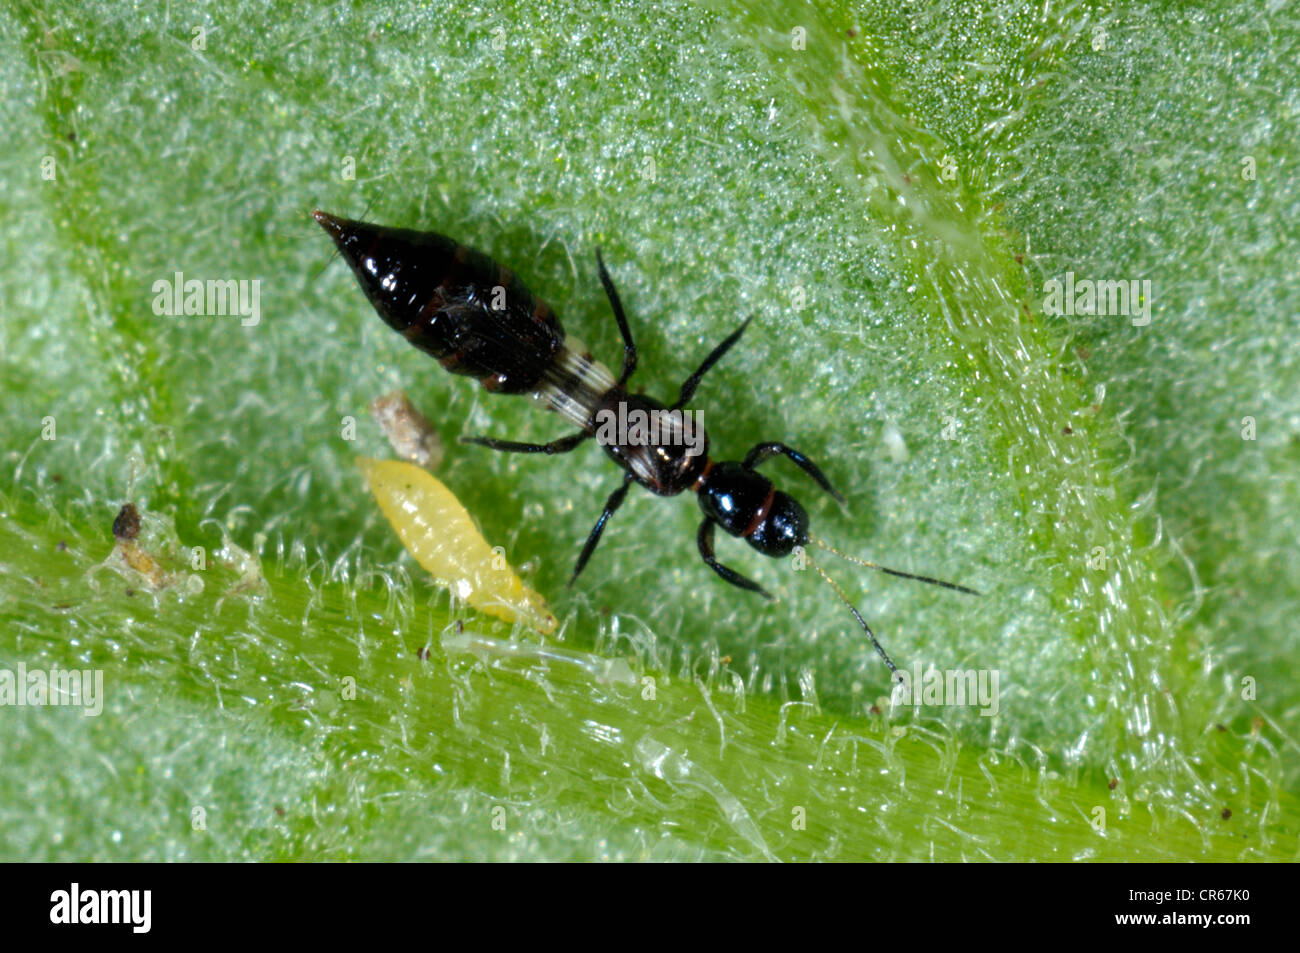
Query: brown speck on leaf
(127, 524)
(850, 33)
(875, 709)
(1083, 352)
(408, 430)
(279, 811)
(1226, 814)
(62, 547)
(56, 477)
(1220, 727)
(422, 653)
(1067, 430)
(130, 592)
(1114, 783)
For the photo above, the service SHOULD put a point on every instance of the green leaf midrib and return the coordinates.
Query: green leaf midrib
(405, 699)
(973, 298)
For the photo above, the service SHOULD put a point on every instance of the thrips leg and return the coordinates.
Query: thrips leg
(705, 540)
(629, 348)
(611, 507)
(765, 450)
(692, 382)
(563, 445)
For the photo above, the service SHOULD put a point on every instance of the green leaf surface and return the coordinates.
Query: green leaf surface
(886, 188)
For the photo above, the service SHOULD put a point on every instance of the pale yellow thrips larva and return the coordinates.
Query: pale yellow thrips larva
(438, 531)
